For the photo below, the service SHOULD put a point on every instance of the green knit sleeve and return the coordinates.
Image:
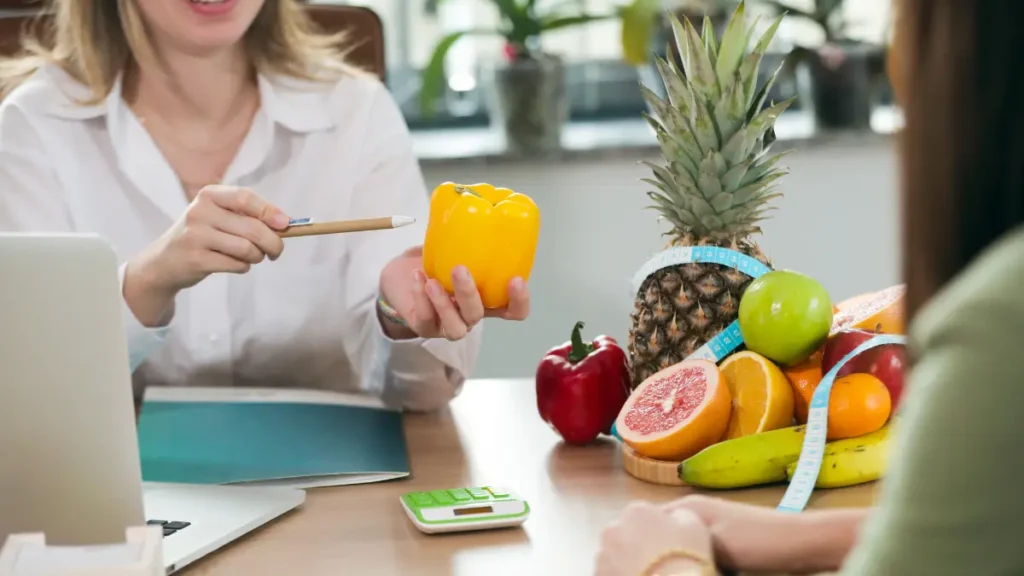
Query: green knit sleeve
(951, 504)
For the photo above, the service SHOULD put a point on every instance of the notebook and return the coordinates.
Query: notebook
(295, 438)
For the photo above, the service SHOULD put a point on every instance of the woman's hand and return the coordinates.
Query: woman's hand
(429, 311)
(646, 532)
(759, 539)
(225, 229)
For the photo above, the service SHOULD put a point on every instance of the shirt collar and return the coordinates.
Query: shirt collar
(298, 105)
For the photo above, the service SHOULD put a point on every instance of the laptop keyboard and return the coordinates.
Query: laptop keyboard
(170, 527)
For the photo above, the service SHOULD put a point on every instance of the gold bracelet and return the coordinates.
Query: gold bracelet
(705, 565)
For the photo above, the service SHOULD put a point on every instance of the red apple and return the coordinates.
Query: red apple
(883, 362)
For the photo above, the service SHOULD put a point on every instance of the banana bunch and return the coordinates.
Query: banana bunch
(852, 461)
(771, 457)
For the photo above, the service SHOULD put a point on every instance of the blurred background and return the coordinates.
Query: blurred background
(565, 127)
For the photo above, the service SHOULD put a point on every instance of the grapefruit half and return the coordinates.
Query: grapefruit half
(880, 312)
(676, 412)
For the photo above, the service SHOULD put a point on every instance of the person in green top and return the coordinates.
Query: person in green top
(952, 502)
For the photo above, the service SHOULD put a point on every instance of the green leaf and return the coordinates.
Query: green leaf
(742, 143)
(547, 25)
(762, 94)
(704, 129)
(760, 169)
(731, 109)
(710, 42)
(734, 45)
(754, 189)
(700, 73)
(675, 86)
(432, 80)
(639, 19)
(707, 180)
(752, 63)
(679, 35)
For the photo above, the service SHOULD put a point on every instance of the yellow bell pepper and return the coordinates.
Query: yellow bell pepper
(491, 231)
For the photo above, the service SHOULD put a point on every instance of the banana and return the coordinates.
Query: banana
(852, 461)
(746, 461)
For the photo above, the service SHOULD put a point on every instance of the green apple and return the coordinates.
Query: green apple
(785, 316)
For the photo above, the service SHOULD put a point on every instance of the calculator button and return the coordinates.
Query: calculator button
(498, 492)
(442, 497)
(422, 499)
(479, 494)
(460, 495)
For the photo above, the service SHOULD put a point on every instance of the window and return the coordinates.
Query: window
(599, 84)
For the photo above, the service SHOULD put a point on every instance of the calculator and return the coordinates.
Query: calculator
(465, 509)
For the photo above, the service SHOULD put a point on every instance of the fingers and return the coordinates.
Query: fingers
(471, 307)
(452, 325)
(424, 320)
(230, 245)
(518, 304)
(246, 202)
(254, 231)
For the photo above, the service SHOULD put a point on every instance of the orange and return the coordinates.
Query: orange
(880, 312)
(676, 412)
(859, 405)
(803, 379)
(761, 397)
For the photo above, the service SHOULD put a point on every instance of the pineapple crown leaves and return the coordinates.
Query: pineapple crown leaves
(715, 131)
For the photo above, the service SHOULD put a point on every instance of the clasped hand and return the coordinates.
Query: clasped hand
(228, 229)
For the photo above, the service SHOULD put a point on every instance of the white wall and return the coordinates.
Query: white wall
(837, 222)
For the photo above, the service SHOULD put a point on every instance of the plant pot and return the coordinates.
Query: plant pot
(530, 105)
(843, 81)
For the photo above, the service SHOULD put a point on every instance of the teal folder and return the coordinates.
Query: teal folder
(297, 438)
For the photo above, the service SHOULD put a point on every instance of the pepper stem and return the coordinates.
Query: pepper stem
(467, 190)
(580, 349)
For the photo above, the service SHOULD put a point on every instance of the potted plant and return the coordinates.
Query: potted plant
(530, 104)
(843, 70)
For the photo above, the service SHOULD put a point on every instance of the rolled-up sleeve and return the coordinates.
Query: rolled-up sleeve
(32, 200)
(415, 374)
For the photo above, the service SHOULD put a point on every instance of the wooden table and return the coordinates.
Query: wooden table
(490, 435)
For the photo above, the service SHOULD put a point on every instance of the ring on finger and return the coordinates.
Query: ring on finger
(443, 334)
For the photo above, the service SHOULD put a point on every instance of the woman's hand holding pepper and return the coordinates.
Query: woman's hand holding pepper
(430, 312)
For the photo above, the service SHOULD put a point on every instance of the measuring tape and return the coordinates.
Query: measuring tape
(728, 339)
(806, 475)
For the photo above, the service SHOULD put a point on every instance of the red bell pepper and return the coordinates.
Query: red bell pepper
(582, 386)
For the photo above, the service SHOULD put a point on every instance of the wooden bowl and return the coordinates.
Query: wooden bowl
(663, 472)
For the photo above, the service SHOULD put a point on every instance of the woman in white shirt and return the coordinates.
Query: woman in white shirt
(185, 132)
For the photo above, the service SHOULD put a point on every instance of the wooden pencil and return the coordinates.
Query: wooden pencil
(310, 228)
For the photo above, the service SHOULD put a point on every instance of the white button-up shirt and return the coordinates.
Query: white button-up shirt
(330, 152)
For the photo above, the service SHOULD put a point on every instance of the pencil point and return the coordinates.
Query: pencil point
(399, 221)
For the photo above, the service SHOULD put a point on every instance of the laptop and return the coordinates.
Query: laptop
(69, 458)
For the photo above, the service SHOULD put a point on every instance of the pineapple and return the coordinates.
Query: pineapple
(714, 187)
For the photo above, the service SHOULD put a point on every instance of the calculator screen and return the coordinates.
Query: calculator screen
(471, 511)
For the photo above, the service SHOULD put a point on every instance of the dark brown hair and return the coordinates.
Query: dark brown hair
(961, 63)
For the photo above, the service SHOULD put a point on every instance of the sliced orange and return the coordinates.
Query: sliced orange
(676, 412)
(880, 312)
(762, 399)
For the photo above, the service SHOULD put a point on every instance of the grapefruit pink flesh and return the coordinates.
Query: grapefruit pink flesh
(677, 412)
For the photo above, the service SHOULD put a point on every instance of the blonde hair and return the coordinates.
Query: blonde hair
(93, 41)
